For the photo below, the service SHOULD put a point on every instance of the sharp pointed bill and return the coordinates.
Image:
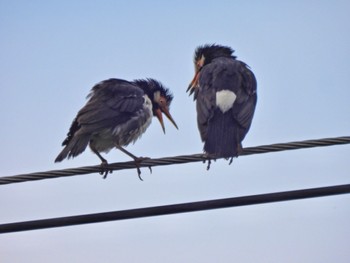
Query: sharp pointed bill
(165, 110)
(225, 92)
(194, 84)
(117, 113)
(198, 65)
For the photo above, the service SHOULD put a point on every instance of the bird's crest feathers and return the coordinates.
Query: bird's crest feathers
(150, 86)
(211, 51)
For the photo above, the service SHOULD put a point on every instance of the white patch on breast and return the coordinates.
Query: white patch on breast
(147, 104)
(225, 99)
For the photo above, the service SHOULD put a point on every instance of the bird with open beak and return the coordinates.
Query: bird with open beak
(117, 113)
(225, 91)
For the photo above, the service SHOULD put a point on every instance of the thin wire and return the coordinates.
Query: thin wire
(175, 208)
(172, 160)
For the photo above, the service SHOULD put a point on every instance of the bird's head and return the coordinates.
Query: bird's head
(160, 97)
(203, 55)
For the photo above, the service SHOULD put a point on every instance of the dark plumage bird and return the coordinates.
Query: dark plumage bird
(225, 92)
(117, 113)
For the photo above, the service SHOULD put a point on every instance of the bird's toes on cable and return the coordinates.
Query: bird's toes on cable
(231, 159)
(138, 161)
(239, 152)
(208, 158)
(209, 163)
(104, 169)
(141, 159)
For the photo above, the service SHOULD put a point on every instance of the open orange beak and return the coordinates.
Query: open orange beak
(159, 115)
(194, 83)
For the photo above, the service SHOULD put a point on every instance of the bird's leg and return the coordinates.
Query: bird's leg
(127, 152)
(104, 163)
(137, 160)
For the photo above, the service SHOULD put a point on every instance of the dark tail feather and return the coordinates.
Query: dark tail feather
(75, 147)
(222, 136)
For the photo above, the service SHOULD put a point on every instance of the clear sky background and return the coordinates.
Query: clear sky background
(53, 52)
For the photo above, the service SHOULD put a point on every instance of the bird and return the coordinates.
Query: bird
(225, 91)
(117, 113)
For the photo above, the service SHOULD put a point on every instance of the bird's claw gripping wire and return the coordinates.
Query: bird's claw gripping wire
(231, 159)
(239, 152)
(208, 158)
(209, 163)
(104, 169)
(138, 161)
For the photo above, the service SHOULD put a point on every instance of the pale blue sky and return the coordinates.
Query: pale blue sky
(52, 53)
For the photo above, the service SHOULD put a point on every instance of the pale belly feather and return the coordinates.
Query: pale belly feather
(125, 133)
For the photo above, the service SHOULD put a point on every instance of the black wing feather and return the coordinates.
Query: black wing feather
(111, 103)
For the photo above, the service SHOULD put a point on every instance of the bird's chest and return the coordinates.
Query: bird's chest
(127, 132)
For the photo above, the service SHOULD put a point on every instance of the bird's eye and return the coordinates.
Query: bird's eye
(162, 102)
(199, 66)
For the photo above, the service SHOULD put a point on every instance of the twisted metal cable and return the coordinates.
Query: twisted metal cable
(175, 208)
(172, 160)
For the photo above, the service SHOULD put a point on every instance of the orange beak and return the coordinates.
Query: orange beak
(194, 83)
(159, 115)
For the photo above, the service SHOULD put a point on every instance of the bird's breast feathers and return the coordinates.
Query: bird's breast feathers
(131, 130)
(225, 100)
(127, 132)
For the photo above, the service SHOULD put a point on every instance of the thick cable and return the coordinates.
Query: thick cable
(172, 160)
(175, 208)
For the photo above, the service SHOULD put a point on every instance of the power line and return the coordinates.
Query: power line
(172, 160)
(175, 208)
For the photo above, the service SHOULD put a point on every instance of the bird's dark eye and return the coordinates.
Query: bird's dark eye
(199, 66)
(162, 102)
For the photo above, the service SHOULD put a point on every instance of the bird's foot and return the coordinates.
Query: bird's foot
(231, 159)
(209, 163)
(104, 169)
(239, 152)
(138, 161)
(208, 158)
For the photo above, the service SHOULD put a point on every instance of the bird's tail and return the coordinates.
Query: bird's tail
(222, 136)
(75, 147)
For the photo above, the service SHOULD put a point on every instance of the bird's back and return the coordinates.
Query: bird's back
(226, 101)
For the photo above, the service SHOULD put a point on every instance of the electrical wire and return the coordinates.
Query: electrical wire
(175, 208)
(172, 160)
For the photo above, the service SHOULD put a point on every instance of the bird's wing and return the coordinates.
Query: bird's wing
(111, 102)
(205, 102)
(243, 109)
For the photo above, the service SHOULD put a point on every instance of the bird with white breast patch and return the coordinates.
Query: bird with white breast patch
(225, 91)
